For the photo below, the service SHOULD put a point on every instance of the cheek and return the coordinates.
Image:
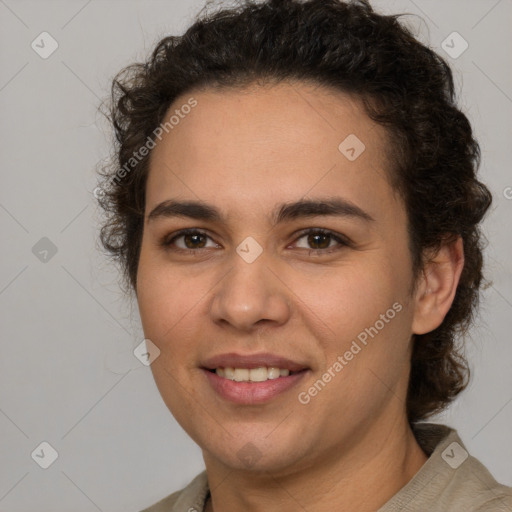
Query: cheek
(164, 297)
(167, 304)
(361, 316)
(344, 301)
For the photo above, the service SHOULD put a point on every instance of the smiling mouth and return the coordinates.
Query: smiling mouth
(260, 374)
(253, 383)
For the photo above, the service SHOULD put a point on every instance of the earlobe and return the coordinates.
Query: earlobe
(438, 283)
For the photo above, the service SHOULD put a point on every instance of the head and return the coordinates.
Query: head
(272, 117)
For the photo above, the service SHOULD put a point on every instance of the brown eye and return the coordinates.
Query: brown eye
(187, 240)
(321, 241)
(194, 241)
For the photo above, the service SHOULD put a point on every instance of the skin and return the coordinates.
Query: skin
(246, 151)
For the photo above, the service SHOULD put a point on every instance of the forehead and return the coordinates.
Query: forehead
(268, 144)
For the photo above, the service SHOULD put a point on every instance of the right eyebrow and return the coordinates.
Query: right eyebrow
(192, 209)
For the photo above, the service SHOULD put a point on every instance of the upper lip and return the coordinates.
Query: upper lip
(234, 360)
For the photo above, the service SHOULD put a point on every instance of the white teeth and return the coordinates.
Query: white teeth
(260, 374)
(273, 373)
(241, 374)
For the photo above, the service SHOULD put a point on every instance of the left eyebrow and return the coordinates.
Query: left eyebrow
(335, 206)
(305, 208)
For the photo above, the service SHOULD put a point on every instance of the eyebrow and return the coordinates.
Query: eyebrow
(305, 208)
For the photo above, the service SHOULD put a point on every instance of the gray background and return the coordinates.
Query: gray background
(67, 372)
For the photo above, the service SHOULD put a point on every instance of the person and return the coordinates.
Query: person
(295, 203)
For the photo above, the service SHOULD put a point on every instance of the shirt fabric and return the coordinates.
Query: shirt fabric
(451, 480)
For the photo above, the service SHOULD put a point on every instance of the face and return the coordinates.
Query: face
(295, 259)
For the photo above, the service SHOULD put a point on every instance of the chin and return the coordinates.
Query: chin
(249, 452)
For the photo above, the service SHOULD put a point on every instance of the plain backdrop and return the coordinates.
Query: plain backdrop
(68, 376)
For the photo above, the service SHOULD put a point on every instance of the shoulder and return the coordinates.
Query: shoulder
(189, 499)
(463, 479)
(451, 479)
(166, 504)
(473, 483)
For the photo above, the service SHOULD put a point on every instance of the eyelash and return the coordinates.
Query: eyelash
(341, 240)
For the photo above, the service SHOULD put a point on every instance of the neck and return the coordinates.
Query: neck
(363, 479)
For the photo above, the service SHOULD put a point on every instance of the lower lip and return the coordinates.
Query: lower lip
(248, 393)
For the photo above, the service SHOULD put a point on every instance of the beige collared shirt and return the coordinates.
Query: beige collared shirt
(451, 480)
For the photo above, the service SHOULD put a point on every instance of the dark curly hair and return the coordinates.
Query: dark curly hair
(404, 85)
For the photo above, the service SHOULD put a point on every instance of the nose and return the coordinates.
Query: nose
(251, 294)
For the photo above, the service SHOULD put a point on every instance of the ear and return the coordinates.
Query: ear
(437, 286)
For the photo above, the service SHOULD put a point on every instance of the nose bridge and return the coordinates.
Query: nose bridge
(250, 292)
